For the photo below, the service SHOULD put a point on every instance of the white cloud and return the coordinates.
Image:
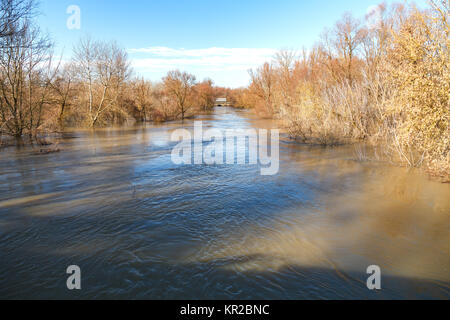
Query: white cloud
(227, 66)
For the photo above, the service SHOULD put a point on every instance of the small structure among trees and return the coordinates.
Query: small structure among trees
(222, 102)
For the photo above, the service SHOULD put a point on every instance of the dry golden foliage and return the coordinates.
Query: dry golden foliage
(420, 61)
(386, 82)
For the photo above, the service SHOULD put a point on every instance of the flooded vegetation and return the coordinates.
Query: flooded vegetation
(345, 193)
(139, 226)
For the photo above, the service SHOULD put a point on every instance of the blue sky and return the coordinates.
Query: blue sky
(216, 39)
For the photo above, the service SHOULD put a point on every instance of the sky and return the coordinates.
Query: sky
(214, 39)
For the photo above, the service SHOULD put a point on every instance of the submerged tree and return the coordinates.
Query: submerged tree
(63, 92)
(25, 70)
(180, 86)
(206, 94)
(262, 85)
(102, 69)
(142, 91)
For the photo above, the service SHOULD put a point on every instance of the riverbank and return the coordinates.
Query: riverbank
(372, 85)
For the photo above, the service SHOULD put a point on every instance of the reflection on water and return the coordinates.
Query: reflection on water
(139, 226)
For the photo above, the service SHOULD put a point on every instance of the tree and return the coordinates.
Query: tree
(206, 94)
(25, 72)
(286, 80)
(63, 91)
(165, 107)
(262, 85)
(341, 47)
(102, 68)
(420, 62)
(180, 87)
(12, 13)
(143, 97)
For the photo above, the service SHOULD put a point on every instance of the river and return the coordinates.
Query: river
(141, 227)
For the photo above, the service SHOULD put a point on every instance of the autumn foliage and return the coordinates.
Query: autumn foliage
(384, 80)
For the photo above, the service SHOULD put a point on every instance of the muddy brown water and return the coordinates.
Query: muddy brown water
(141, 227)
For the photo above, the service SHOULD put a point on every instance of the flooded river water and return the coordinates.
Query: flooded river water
(141, 227)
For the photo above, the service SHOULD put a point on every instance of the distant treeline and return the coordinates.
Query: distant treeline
(39, 93)
(384, 79)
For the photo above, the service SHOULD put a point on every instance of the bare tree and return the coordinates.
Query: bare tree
(180, 86)
(25, 76)
(206, 94)
(341, 46)
(63, 91)
(165, 107)
(102, 68)
(12, 12)
(263, 82)
(286, 62)
(143, 97)
(348, 37)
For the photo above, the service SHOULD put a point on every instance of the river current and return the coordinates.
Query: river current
(141, 227)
